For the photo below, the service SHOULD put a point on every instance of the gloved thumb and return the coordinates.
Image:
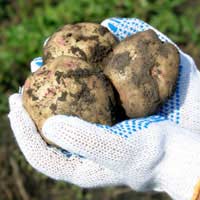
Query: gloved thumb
(102, 145)
(88, 140)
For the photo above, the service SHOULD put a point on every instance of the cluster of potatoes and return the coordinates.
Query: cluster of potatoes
(88, 73)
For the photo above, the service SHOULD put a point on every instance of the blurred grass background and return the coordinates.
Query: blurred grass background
(24, 24)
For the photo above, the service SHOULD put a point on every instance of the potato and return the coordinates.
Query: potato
(88, 41)
(69, 86)
(144, 70)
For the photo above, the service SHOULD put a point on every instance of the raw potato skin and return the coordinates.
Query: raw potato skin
(69, 86)
(88, 41)
(144, 71)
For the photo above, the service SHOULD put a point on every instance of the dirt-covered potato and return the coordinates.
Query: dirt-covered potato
(88, 41)
(144, 70)
(69, 86)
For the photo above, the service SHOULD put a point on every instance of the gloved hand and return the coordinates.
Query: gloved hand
(51, 161)
(146, 154)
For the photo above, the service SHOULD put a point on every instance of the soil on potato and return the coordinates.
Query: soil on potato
(88, 41)
(143, 69)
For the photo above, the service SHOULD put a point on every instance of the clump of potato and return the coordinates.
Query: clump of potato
(79, 61)
(144, 71)
(89, 41)
(69, 86)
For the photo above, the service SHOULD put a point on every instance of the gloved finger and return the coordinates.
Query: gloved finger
(52, 161)
(103, 145)
(124, 27)
(36, 63)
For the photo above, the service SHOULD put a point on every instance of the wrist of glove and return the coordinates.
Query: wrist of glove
(178, 172)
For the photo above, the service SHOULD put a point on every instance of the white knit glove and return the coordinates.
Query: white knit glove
(146, 154)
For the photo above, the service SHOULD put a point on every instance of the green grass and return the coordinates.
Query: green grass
(22, 34)
(25, 25)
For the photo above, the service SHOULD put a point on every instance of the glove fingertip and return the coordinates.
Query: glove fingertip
(15, 101)
(36, 64)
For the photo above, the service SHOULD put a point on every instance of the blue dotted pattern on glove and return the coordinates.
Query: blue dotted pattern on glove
(129, 127)
(171, 108)
(124, 27)
(38, 61)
